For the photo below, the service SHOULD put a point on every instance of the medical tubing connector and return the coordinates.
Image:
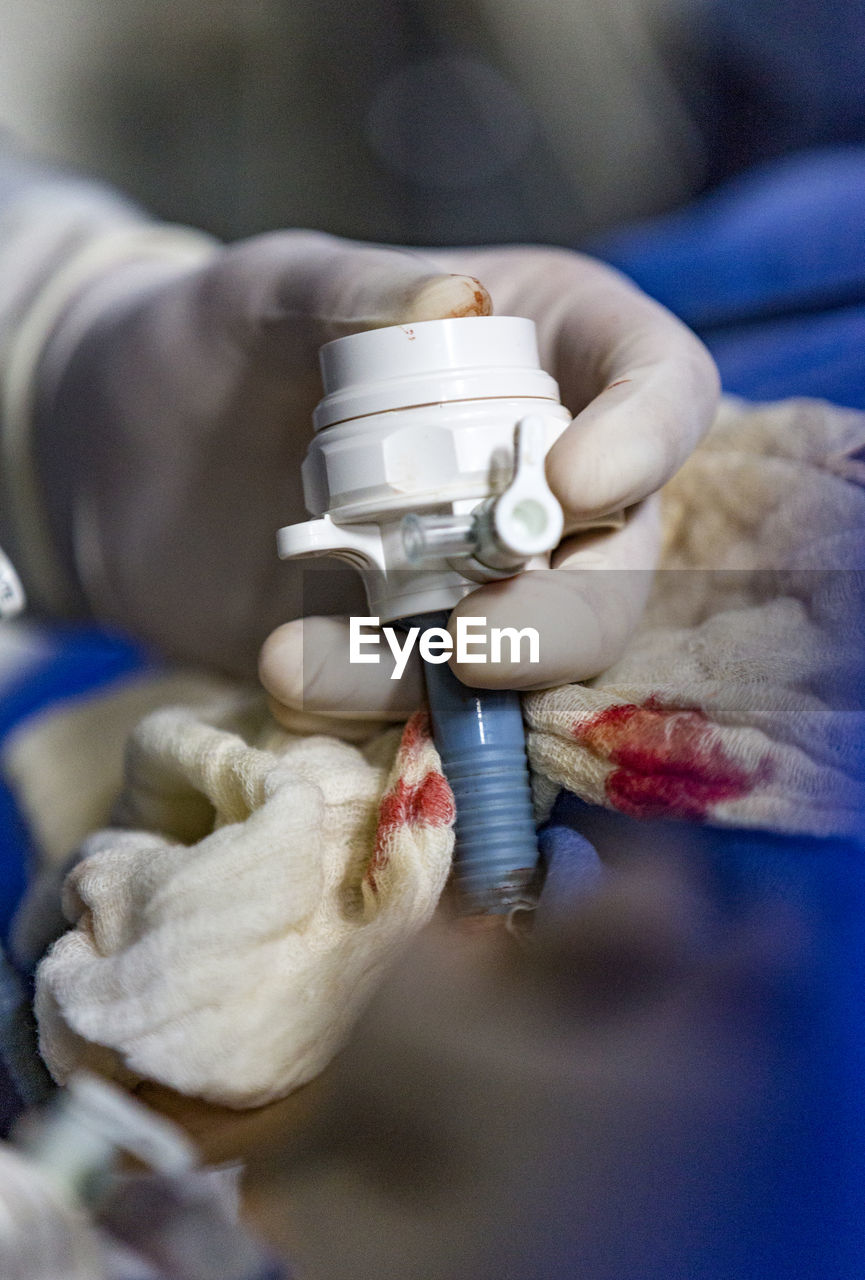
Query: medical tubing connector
(426, 473)
(480, 738)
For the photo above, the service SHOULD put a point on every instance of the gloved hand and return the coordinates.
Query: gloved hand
(643, 389)
(171, 402)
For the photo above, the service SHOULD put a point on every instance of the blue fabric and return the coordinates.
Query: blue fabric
(785, 237)
(78, 659)
(764, 78)
(572, 868)
(778, 1197)
(770, 271)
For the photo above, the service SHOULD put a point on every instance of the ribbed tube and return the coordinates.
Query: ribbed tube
(481, 740)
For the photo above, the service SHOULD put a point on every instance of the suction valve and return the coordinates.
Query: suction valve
(505, 531)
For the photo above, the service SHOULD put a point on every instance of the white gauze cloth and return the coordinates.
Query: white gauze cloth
(225, 943)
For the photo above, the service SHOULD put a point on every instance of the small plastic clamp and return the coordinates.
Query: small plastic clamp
(505, 531)
(526, 520)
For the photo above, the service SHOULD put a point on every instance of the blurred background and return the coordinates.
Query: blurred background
(426, 121)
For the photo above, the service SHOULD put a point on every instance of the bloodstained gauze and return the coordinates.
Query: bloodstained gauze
(428, 803)
(415, 736)
(672, 762)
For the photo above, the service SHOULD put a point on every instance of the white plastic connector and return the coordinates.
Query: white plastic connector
(414, 424)
(359, 544)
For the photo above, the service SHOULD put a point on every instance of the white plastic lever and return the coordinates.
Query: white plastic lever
(527, 519)
(359, 544)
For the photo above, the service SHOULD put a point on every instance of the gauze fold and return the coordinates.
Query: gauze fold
(225, 944)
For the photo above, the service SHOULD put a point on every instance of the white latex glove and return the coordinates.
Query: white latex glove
(644, 390)
(173, 404)
(171, 400)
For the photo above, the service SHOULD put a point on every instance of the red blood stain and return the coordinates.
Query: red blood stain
(415, 736)
(428, 803)
(672, 762)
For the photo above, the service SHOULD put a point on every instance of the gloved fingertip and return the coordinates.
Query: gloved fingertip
(280, 664)
(445, 297)
(306, 667)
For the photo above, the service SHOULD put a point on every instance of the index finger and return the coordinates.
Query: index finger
(644, 390)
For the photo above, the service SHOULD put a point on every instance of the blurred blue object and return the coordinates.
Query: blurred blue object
(770, 271)
(572, 868)
(772, 1189)
(70, 661)
(765, 78)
